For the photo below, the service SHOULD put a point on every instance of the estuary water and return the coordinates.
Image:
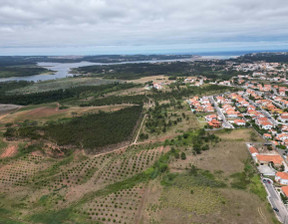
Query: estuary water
(62, 70)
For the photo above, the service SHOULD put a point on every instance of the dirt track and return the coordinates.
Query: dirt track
(7, 108)
(9, 152)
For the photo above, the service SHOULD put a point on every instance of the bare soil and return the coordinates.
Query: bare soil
(9, 151)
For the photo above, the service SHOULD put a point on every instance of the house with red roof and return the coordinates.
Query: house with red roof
(239, 122)
(211, 117)
(282, 178)
(276, 159)
(215, 123)
(267, 136)
(253, 151)
(284, 117)
(285, 190)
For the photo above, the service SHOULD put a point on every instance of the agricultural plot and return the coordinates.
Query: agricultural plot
(128, 165)
(20, 171)
(119, 207)
(102, 170)
(78, 173)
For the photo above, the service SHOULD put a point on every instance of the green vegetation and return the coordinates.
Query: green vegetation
(249, 179)
(257, 187)
(197, 140)
(193, 177)
(90, 131)
(268, 57)
(20, 71)
(181, 91)
(192, 191)
(8, 86)
(28, 60)
(57, 217)
(243, 179)
(64, 83)
(3, 145)
(61, 94)
(110, 100)
(51, 179)
(96, 130)
(160, 120)
(134, 71)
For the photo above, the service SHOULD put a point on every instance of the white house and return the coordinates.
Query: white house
(282, 178)
(284, 117)
(253, 151)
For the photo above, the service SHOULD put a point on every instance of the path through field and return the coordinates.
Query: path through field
(9, 152)
(140, 209)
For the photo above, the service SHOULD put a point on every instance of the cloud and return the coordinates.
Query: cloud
(100, 23)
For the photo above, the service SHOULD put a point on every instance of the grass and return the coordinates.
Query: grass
(3, 144)
(202, 201)
(9, 221)
(60, 84)
(257, 188)
(57, 217)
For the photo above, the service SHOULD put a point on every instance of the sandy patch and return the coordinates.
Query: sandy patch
(42, 112)
(9, 151)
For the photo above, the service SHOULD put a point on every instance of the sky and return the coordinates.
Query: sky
(77, 27)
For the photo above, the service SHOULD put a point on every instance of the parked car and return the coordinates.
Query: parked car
(276, 209)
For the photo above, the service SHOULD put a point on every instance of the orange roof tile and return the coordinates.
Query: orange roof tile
(282, 175)
(285, 190)
(276, 159)
(253, 150)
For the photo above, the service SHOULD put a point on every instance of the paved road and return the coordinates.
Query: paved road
(220, 114)
(275, 92)
(270, 118)
(268, 115)
(274, 102)
(276, 202)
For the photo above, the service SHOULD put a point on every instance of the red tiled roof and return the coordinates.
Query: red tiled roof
(282, 175)
(276, 159)
(285, 190)
(253, 150)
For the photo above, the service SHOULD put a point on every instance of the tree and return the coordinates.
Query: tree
(253, 136)
(183, 156)
(193, 170)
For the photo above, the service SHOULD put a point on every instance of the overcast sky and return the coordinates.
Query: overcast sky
(135, 26)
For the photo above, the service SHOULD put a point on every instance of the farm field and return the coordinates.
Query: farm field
(110, 161)
(107, 188)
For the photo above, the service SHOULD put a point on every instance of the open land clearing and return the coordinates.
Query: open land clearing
(7, 108)
(192, 199)
(51, 111)
(155, 78)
